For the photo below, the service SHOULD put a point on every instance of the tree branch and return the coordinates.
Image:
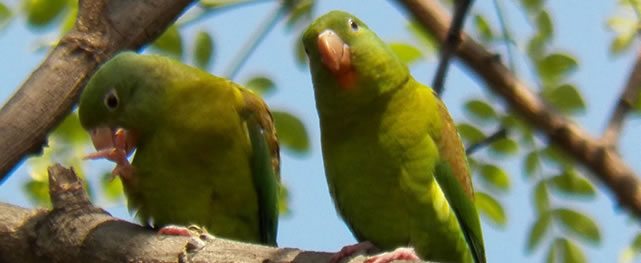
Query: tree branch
(76, 231)
(628, 98)
(102, 29)
(451, 43)
(605, 163)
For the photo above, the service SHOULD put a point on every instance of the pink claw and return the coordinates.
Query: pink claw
(113, 146)
(349, 250)
(402, 253)
(175, 231)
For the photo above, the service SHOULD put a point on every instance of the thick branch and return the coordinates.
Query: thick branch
(627, 99)
(76, 231)
(102, 28)
(605, 163)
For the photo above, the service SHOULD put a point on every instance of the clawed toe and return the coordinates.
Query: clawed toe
(350, 250)
(403, 253)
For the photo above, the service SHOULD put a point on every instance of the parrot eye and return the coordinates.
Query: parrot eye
(111, 100)
(353, 24)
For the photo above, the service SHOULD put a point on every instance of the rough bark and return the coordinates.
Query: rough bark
(76, 231)
(603, 160)
(103, 28)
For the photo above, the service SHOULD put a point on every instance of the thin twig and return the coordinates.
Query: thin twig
(250, 46)
(500, 134)
(506, 34)
(629, 96)
(205, 12)
(452, 42)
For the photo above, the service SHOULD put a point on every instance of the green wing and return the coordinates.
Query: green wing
(265, 163)
(463, 208)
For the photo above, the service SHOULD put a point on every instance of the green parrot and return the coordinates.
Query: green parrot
(206, 151)
(395, 164)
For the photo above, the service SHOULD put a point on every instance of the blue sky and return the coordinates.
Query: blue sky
(313, 223)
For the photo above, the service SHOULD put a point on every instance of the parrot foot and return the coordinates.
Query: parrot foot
(198, 238)
(172, 230)
(349, 250)
(117, 154)
(123, 168)
(402, 253)
(190, 231)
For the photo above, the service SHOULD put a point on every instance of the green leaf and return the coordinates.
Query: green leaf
(565, 98)
(220, 3)
(544, 24)
(554, 155)
(69, 130)
(579, 224)
(470, 133)
(570, 251)
(111, 187)
(513, 122)
(537, 231)
(636, 244)
(70, 18)
(170, 43)
(532, 5)
(504, 146)
(556, 66)
(41, 12)
(483, 28)
(516, 125)
(291, 132)
(536, 47)
(283, 200)
(620, 24)
(490, 207)
(299, 51)
(426, 40)
(38, 192)
(551, 255)
(480, 110)
(622, 42)
(300, 12)
(541, 197)
(570, 182)
(633, 251)
(407, 53)
(261, 85)
(203, 49)
(5, 15)
(495, 176)
(532, 163)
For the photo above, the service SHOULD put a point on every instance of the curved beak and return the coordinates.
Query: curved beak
(334, 52)
(106, 138)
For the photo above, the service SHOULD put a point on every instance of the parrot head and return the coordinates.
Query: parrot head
(119, 96)
(349, 62)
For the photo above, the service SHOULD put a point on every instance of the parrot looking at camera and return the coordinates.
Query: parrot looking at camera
(394, 162)
(206, 151)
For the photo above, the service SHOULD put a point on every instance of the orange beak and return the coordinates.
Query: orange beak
(336, 56)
